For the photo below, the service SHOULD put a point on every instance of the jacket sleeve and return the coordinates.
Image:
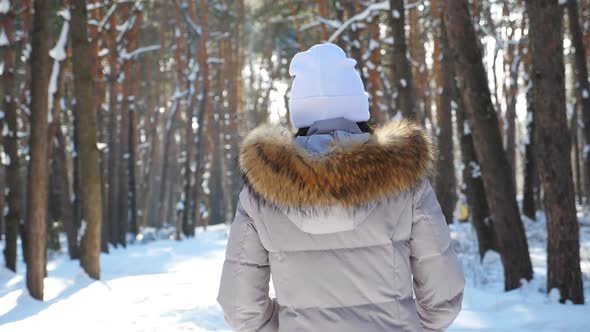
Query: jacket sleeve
(243, 293)
(438, 277)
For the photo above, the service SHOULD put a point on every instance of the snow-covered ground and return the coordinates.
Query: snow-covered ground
(487, 307)
(171, 286)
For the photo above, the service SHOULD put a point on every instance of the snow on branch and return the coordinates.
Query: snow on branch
(183, 8)
(379, 6)
(139, 51)
(113, 8)
(334, 24)
(290, 18)
(383, 5)
(108, 15)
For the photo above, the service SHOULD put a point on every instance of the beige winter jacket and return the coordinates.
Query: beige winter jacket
(346, 223)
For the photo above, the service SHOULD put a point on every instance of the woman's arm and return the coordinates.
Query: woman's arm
(438, 277)
(243, 293)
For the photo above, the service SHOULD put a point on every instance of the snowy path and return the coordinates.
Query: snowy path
(171, 286)
(161, 286)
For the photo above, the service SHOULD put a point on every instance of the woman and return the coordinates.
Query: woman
(341, 216)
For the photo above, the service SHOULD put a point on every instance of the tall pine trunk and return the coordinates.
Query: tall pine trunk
(114, 145)
(66, 204)
(553, 150)
(87, 137)
(401, 66)
(445, 179)
(531, 182)
(37, 185)
(581, 83)
(12, 175)
(499, 188)
(204, 117)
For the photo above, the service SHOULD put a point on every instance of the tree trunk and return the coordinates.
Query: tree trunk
(89, 156)
(420, 72)
(378, 113)
(66, 204)
(12, 175)
(500, 191)
(445, 180)
(401, 65)
(575, 146)
(204, 116)
(166, 156)
(114, 144)
(436, 13)
(581, 83)
(529, 206)
(553, 150)
(77, 187)
(37, 185)
(473, 184)
(132, 80)
(123, 139)
(356, 46)
(184, 71)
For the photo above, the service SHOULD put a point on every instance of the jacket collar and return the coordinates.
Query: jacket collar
(331, 125)
(279, 172)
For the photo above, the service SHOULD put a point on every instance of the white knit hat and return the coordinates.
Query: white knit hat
(326, 86)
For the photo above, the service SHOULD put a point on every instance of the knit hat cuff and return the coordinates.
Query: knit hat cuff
(306, 111)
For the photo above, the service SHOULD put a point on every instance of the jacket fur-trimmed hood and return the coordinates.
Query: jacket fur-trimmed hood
(280, 172)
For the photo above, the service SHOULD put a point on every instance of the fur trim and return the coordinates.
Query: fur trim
(280, 172)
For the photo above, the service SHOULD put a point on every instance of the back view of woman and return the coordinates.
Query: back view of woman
(343, 218)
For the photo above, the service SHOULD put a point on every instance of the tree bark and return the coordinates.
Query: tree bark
(529, 206)
(500, 190)
(473, 184)
(37, 185)
(66, 205)
(401, 65)
(134, 37)
(114, 145)
(356, 46)
(12, 175)
(204, 116)
(582, 84)
(89, 155)
(378, 114)
(553, 150)
(445, 183)
(189, 114)
(123, 138)
(420, 72)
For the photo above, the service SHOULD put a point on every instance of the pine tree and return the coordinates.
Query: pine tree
(37, 185)
(499, 188)
(85, 110)
(553, 150)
